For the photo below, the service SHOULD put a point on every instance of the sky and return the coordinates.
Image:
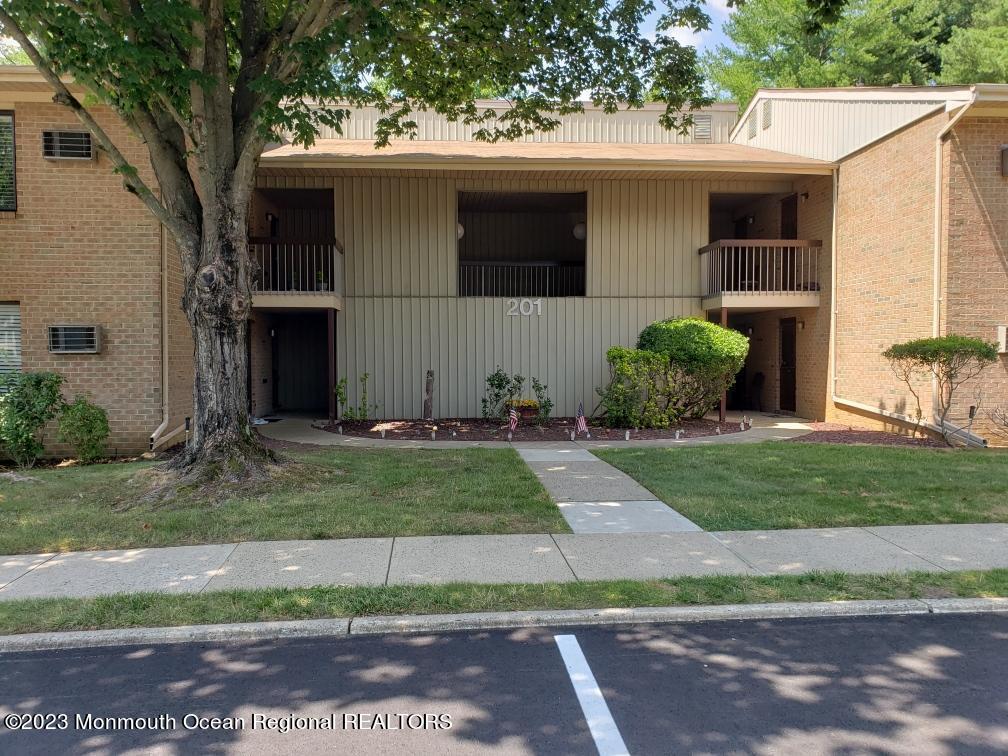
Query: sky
(718, 11)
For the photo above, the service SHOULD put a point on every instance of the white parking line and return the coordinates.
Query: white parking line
(596, 712)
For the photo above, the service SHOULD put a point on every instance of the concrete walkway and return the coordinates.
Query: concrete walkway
(504, 559)
(595, 497)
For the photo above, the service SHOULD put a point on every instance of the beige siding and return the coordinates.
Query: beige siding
(830, 129)
(628, 126)
(401, 314)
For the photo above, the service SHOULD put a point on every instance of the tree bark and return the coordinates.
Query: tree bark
(428, 404)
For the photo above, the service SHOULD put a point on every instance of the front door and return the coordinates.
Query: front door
(789, 217)
(788, 359)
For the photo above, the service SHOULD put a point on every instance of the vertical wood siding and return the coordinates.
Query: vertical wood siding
(401, 314)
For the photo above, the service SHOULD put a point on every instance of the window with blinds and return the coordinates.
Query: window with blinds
(67, 145)
(8, 193)
(10, 338)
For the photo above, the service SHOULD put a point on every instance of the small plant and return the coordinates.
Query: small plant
(341, 396)
(85, 427)
(501, 388)
(545, 403)
(951, 360)
(27, 402)
(363, 410)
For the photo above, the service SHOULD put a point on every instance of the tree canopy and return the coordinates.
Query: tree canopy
(796, 43)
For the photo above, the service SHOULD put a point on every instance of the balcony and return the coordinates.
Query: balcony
(760, 274)
(520, 279)
(294, 274)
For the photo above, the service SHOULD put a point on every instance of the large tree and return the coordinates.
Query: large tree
(828, 43)
(978, 52)
(206, 84)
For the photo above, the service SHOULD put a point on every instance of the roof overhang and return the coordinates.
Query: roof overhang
(335, 154)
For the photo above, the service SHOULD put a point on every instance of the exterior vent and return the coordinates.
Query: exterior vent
(1002, 339)
(8, 193)
(767, 113)
(702, 128)
(67, 145)
(751, 126)
(74, 339)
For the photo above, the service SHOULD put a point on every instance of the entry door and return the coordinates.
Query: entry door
(789, 217)
(788, 358)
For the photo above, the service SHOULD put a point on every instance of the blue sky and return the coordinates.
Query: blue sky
(718, 11)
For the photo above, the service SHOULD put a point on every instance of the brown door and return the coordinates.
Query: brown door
(789, 217)
(788, 358)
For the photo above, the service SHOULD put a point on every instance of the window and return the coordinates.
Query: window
(66, 145)
(522, 244)
(8, 188)
(767, 113)
(74, 339)
(702, 128)
(10, 338)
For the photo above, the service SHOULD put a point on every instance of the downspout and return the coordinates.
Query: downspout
(156, 435)
(970, 439)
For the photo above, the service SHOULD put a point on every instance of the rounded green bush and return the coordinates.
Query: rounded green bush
(696, 345)
(84, 426)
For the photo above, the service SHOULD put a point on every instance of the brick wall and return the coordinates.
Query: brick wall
(81, 250)
(976, 284)
(885, 228)
(261, 363)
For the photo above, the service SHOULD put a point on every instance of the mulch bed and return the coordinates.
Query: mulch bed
(474, 429)
(835, 433)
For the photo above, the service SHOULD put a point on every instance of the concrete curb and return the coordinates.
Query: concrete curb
(413, 623)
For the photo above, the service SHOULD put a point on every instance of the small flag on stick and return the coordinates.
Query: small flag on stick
(581, 426)
(513, 419)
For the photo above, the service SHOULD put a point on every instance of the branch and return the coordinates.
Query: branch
(63, 96)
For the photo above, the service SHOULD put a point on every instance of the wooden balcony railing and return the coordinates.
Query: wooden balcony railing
(291, 267)
(760, 266)
(520, 279)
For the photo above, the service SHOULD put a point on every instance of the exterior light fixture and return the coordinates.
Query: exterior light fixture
(1004, 160)
(459, 230)
(580, 231)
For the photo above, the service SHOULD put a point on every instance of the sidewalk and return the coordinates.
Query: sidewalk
(504, 559)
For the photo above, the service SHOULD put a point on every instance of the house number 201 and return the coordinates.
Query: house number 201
(524, 307)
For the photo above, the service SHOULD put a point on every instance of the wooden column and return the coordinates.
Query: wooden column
(724, 394)
(331, 342)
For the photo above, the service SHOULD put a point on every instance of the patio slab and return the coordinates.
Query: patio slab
(179, 569)
(588, 481)
(624, 517)
(792, 552)
(477, 559)
(13, 567)
(952, 547)
(352, 561)
(645, 556)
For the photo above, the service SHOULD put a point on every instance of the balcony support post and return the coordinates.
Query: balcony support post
(724, 394)
(331, 346)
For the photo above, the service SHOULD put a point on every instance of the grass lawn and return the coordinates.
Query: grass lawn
(160, 610)
(794, 485)
(335, 494)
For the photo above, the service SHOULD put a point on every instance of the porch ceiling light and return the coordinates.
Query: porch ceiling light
(459, 230)
(580, 231)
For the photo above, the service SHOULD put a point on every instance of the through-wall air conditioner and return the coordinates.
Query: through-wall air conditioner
(74, 339)
(1002, 339)
(67, 145)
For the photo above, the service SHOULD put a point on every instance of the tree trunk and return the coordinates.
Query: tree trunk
(217, 303)
(428, 403)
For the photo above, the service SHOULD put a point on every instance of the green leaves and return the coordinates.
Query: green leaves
(27, 402)
(950, 350)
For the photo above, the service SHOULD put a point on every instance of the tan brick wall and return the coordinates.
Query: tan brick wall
(180, 347)
(261, 363)
(976, 284)
(885, 236)
(82, 250)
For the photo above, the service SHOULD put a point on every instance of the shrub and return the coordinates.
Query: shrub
(545, 403)
(84, 426)
(501, 388)
(27, 402)
(636, 394)
(363, 410)
(951, 360)
(704, 359)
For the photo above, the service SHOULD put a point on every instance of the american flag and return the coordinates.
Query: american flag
(581, 426)
(513, 418)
